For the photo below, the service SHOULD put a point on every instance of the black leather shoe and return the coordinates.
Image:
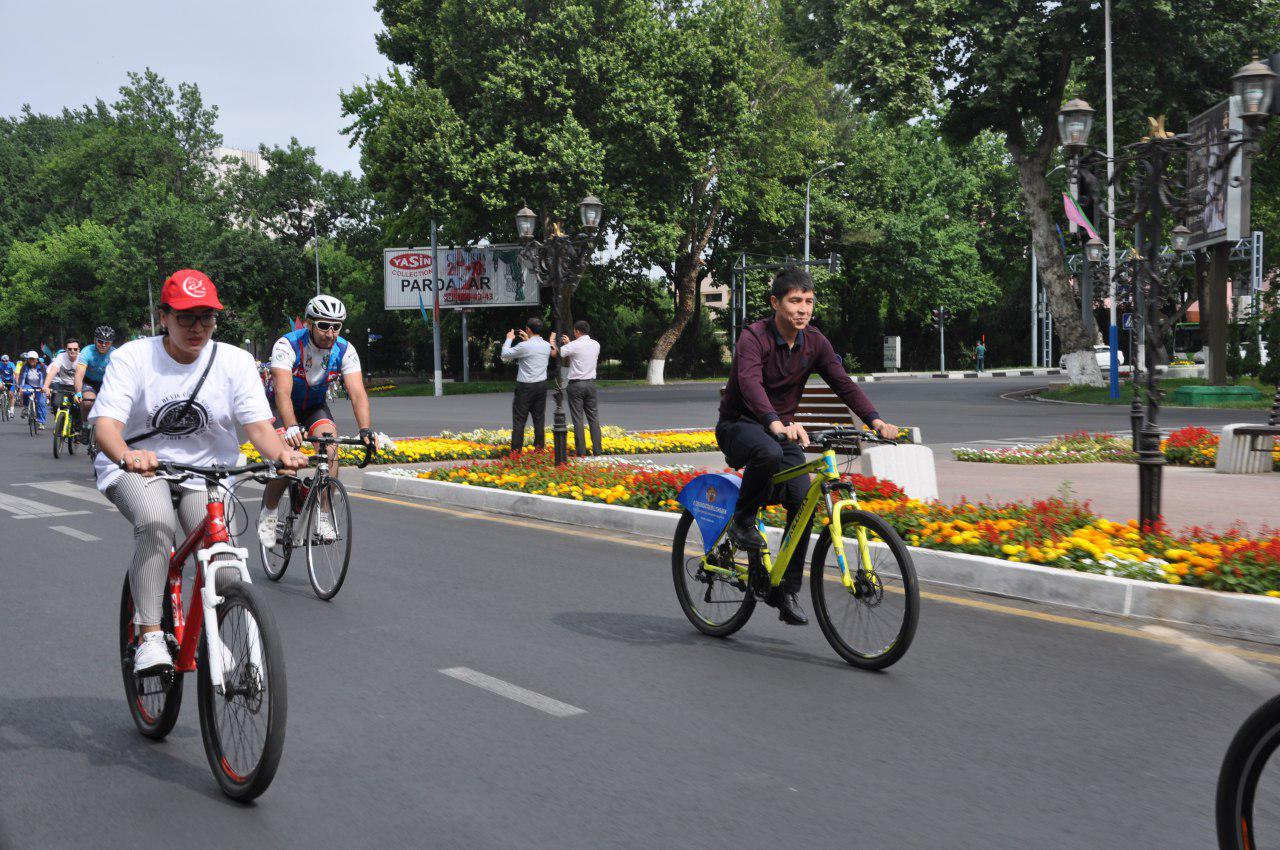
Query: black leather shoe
(789, 610)
(745, 536)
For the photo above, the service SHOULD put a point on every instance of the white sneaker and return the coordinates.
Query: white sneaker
(152, 654)
(325, 530)
(268, 523)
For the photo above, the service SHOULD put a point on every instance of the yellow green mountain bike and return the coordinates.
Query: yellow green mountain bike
(865, 594)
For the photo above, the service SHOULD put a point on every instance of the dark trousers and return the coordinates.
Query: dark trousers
(748, 445)
(582, 405)
(530, 399)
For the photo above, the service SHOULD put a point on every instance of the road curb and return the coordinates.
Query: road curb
(953, 376)
(1254, 618)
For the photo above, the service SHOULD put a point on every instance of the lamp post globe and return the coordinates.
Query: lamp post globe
(1254, 84)
(1093, 250)
(1180, 237)
(1075, 120)
(526, 219)
(589, 211)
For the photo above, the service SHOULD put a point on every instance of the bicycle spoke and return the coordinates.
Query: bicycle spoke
(239, 715)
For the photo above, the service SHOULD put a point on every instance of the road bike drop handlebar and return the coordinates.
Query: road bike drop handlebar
(369, 448)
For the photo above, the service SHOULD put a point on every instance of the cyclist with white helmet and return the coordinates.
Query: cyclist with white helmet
(7, 379)
(303, 364)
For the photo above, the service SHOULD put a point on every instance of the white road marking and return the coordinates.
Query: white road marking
(74, 532)
(22, 508)
(73, 491)
(513, 692)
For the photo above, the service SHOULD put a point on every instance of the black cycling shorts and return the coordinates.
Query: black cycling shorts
(310, 419)
(90, 384)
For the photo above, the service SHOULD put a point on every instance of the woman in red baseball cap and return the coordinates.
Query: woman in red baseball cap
(154, 406)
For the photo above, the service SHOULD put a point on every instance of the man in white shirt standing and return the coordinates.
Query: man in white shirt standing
(533, 354)
(583, 353)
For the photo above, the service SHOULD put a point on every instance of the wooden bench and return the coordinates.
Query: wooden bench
(1247, 448)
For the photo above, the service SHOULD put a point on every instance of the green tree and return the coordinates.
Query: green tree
(1007, 68)
(675, 114)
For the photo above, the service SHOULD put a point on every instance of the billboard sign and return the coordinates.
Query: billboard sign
(488, 276)
(1224, 190)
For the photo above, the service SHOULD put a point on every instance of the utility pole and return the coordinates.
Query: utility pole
(435, 309)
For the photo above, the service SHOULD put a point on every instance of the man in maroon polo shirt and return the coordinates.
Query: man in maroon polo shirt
(773, 360)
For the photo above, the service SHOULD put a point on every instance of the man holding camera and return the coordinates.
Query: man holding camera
(532, 353)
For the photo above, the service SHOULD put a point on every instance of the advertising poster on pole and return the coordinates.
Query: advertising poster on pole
(1224, 189)
(488, 276)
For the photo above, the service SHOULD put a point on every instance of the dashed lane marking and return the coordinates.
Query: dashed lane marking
(1110, 628)
(20, 508)
(72, 491)
(533, 699)
(74, 532)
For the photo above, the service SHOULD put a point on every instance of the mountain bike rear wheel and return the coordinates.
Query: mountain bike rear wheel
(1241, 811)
(327, 560)
(154, 701)
(871, 624)
(243, 727)
(716, 604)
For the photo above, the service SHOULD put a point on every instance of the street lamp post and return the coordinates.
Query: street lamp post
(807, 186)
(1154, 194)
(559, 260)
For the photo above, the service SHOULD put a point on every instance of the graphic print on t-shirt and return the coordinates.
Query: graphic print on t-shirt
(168, 417)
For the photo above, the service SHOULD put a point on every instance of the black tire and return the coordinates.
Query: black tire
(327, 562)
(92, 448)
(33, 426)
(893, 600)
(715, 605)
(244, 760)
(57, 432)
(153, 713)
(4, 407)
(71, 441)
(275, 560)
(1246, 758)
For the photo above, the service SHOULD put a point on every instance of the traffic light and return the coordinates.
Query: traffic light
(940, 315)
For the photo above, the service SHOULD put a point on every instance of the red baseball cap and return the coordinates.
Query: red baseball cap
(187, 288)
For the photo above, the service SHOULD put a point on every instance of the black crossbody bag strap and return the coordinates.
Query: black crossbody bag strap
(186, 407)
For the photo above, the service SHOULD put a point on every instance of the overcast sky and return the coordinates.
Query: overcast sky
(273, 68)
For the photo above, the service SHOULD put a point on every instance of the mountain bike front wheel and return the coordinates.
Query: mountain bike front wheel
(154, 701)
(1243, 812)
(717, 601)
(870, 621)
(243, 727)
(328, 536)
(59, 422)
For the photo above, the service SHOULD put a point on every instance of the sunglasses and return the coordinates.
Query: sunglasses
(328, 326)
(188, 320)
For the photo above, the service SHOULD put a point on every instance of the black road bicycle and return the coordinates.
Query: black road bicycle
(302, 508)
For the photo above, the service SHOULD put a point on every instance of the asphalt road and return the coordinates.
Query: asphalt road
(949, 412)
(1005, 726)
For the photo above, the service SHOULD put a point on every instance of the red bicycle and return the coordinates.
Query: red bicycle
(241, 687)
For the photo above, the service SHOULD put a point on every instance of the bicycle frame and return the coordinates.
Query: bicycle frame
(206, 541)
(826, 476)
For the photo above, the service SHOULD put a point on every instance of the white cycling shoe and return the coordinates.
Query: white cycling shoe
(325, 530)
(152, 655)
(268, 525)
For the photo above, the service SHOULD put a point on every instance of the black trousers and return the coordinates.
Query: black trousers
(530, 399)
(748, 445)
(583, 407)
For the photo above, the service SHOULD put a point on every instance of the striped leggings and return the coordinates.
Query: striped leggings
(148, 504)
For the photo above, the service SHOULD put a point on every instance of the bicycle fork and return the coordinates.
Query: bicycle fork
(837, 543)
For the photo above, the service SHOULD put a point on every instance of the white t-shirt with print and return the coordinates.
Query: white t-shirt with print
(315, 358)
(145, 388)
(64, 369)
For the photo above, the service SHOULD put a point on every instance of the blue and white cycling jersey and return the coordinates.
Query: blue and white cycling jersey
(32, 376)
(313, 368)
(6, 373)
(95, 363)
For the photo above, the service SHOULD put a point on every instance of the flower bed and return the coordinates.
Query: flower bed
(1191, 446)
(482, 444)
(1056, 532)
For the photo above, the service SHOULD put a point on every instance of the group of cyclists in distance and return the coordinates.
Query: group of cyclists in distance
(178, 397)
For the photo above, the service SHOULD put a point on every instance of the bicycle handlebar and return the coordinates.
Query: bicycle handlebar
(831, 435)
(187, 470)
(369, 448)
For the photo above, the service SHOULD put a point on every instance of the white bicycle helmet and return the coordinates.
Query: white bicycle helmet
(326, 307)
(29, 355)
(4, 358)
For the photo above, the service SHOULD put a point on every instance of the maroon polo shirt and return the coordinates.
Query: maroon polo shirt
(768, 377)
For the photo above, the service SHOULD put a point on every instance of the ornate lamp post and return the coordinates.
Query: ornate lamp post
(559, 260)
(1156, 189)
